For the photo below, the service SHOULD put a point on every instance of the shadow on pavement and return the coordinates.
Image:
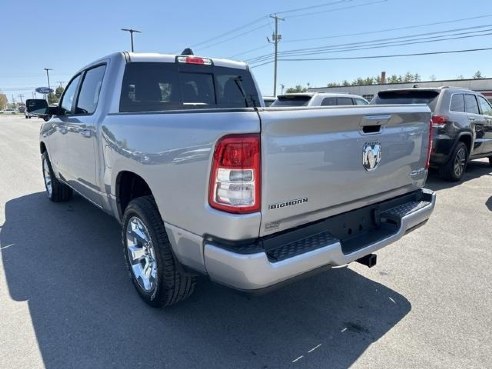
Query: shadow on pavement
(65, 260)
(474, 169)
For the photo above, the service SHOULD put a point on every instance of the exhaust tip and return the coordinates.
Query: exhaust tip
(368, 260)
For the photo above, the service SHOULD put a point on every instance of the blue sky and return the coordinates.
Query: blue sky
(66, 35)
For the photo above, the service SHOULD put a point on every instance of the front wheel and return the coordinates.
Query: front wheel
(154, 271)
(454, 169)
(56, 190)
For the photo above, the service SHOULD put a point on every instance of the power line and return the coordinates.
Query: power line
(389, 29)
(234, 30)
(375, 45)
(263, 18)
(234, 37)
(380, 56)
(385, 42)
(336, 9)
(313, 7)
(390, 39)
(248, 51)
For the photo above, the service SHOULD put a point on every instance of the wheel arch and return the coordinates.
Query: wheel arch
(129, 186)
(466, 138)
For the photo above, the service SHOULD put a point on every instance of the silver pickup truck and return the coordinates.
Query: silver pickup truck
(205, 180)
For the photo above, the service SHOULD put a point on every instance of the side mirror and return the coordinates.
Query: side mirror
(54, 110)
(48, 112)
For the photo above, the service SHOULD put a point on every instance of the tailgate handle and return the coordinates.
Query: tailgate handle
(371, 129)
(375, 119)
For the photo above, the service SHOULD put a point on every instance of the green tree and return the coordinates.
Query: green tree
(408, 77)
(394, 79)
(52, 99)
(478, 75)
(298, 88)
(3, 101)
(58, 92)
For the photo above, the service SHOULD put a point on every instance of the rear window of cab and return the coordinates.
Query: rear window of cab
(158, 86)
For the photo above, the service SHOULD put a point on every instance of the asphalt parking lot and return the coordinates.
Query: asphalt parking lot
(66, 301)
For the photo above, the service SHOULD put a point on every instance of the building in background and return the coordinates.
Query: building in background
(484, 86)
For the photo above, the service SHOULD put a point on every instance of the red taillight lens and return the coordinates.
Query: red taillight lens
(194, 60)
(429, 148)
(235, 179)
(439, 121)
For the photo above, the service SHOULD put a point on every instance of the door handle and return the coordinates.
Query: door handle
(86, 132)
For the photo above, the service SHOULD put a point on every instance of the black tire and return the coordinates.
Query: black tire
(170, 284)
(59, 191)
(490, 160)
(454, 169)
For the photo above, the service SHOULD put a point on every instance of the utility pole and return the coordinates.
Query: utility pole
(48, 75)
(132, 31)
(275, 40)
(21, 96)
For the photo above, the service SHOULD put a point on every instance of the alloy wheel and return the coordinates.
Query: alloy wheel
(141, 254)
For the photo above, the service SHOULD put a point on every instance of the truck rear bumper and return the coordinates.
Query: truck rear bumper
(276, 259)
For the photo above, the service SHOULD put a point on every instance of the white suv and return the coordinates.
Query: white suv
(318, 99)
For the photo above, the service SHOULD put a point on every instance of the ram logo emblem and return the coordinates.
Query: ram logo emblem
(371, 155)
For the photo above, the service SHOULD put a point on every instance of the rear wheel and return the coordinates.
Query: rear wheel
(56, 190)
(490, 160)
(154, 271)
(454, 169)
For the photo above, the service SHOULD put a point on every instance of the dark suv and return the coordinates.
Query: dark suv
(462, 122)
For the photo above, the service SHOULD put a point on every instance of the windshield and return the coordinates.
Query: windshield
(294, 100)
(428, 97)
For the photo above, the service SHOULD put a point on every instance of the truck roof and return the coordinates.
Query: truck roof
(164, 58)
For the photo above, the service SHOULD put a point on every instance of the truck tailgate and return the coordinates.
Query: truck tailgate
(319, 162)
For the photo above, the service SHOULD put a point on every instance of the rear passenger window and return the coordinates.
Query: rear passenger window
(360, 102)
(344, 101)
(471, 105)
(89, 92)
(457, 103)
(329, 101)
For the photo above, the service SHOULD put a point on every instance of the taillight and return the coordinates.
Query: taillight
(439, 121)
(235, 181)
(429, 147)
(194, 60)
